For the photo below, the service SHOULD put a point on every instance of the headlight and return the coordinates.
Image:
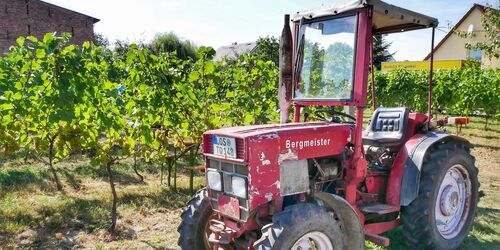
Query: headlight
(214, 180)
(239, 186)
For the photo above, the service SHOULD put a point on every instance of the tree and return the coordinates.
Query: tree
(101, 40)
(196, 98)
(122, 47)
(339, 68)
(170, 42)
(268, 49)
(104, 116)
(491, 24)
(380, 50)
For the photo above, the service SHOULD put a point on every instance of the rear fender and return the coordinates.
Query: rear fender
(404, 178)
(354, 236)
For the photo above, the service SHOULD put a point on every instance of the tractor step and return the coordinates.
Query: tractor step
(377, 239)
(378, 208)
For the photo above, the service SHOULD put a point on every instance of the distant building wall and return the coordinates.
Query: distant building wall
(36, 18)
(453, 47)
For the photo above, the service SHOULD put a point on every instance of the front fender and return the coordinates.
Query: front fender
(408, 164)
(354, 235)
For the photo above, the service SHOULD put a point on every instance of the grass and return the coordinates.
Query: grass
(29, 204)
(32, 212)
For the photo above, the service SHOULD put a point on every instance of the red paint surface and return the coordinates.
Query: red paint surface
(268, 145)
(229, 206)
(296, 113)
(381, 227)
(415, 121)
(363, 43)
(396, 176)
(376, 184)
(356, 172)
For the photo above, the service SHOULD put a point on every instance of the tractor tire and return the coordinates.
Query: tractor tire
(193, 229)
(442, 214)
(302, 223)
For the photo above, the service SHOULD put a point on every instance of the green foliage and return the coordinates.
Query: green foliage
(101, 40)
(470, 90)
(491, 24)
(121, 47)
(268, 49)
(145, 104)
(43, 86)
(61, 99)
(170, 42)
(327, 72)
(380, 50)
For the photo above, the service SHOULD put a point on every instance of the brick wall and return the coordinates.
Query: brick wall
(36, 18)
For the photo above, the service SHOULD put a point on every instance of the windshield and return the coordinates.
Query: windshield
(327, 49)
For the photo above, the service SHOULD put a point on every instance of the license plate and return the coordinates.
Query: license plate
(224, 146)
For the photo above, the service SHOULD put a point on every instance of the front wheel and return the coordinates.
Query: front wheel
(442, 215)
(300, 227)
(194, 228)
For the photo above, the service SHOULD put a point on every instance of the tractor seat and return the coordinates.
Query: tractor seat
(387, 127)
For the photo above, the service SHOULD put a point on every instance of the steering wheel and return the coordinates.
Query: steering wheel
(334, 116)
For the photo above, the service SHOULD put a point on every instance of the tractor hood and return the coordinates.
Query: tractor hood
(261, 150)
(292, 137)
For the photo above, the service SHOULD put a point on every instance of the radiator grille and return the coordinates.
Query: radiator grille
(228, 169)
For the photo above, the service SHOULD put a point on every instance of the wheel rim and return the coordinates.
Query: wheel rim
(453, 202)
(313, 240)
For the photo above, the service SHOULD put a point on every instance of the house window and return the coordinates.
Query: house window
(7, 36)
(27, 9)
(50, 12)
(29, 29)
(72, 31)
(6, 10)
(475, 54)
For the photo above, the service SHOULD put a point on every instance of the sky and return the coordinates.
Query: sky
(222, 22)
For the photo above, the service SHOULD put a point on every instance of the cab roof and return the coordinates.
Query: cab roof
(387, 18)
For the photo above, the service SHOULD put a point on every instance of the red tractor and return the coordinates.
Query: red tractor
(330, 184)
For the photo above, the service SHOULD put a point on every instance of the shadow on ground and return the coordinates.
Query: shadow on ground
(15, 179)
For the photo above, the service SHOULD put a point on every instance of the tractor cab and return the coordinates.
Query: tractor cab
(329, 184)
(332, 52)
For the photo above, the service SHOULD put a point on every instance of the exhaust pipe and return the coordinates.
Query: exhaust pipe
(285, 67)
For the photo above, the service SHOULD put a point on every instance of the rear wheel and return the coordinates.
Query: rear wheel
(301, 227)
(194, 228)
(442, 215)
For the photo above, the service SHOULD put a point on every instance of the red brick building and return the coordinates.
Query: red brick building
(36, 18)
